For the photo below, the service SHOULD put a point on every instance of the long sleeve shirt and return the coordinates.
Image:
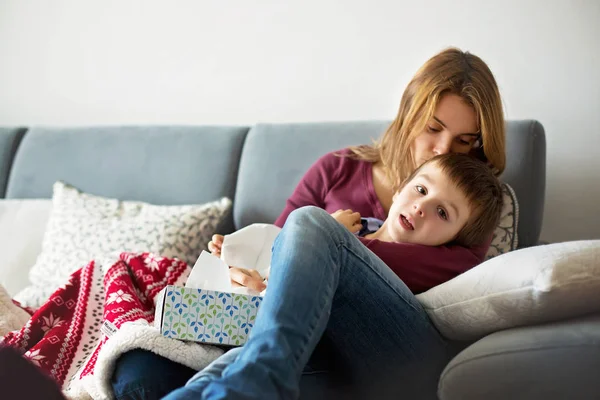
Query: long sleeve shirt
(336, 182)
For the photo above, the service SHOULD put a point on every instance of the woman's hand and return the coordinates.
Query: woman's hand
(250, 278)
(348, 218)
(214, 246)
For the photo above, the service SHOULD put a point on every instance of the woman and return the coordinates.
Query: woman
(344, 313)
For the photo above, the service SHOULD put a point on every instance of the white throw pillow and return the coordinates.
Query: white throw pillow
(83, 227)
(505, 237)
(523, 287)
(22, 226)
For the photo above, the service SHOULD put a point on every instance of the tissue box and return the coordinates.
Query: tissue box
(205, 316)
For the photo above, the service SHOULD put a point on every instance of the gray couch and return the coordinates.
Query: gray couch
(258, 167)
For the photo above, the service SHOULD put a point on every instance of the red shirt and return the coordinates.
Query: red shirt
(334, 183)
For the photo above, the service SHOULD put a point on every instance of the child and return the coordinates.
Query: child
(450, 198)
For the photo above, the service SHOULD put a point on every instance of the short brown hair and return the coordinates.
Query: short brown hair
(481, 188)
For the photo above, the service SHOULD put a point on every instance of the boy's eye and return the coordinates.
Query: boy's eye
(464, 142)
(442, 213)
(420, 189)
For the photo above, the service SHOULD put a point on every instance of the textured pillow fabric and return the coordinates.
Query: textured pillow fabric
(523, 287)
(83, 227)
(505, 236)
(22, 226)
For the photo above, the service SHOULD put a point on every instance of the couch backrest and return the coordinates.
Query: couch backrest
(276, 156)
(191, 165)
(160, 165)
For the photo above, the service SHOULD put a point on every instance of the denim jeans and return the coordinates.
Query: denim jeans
(325, 286)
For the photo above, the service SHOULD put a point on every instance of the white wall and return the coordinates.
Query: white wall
(238, 62)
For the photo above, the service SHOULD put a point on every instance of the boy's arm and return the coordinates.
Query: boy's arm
(349, 219)
(313, 187)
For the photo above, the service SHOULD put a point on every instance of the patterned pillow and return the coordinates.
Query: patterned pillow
(83, 227)
(505, 236)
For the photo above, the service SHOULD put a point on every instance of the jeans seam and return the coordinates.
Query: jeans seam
(317, 316)
(323, 371)
(420, 311)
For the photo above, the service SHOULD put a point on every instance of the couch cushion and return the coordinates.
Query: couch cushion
(524, 287)
(160, 165)
(83, 227)
(22, 226)
(526, 173)
(553, 361)
(505, 236)
(276, 156)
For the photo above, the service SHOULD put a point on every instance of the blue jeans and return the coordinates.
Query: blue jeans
(326, 288)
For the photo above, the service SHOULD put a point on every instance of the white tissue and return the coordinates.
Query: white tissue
(248, 248)
(209, 273)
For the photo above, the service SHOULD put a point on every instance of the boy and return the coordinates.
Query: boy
(450, 198)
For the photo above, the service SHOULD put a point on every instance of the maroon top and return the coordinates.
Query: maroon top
(334, 183)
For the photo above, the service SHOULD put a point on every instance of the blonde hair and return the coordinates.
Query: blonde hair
(451, 71)
(482, 189)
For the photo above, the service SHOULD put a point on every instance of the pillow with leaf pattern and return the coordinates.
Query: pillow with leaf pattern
(505, 237)
(83, 227)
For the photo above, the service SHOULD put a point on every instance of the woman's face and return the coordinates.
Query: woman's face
(452, 129)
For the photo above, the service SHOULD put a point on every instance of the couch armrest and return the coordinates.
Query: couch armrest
(9, 143)
(552, 361)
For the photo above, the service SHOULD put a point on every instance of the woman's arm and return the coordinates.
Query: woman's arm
(313, 187)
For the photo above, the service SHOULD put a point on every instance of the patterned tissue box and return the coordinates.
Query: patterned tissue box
(205, 316)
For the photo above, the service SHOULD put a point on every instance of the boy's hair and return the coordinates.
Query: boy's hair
(482, 189)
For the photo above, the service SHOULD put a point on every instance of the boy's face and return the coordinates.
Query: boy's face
(428, 210)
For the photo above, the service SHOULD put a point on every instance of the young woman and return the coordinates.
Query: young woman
(340, 316)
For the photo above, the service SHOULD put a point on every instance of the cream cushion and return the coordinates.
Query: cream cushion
(523, 287)
(22, 226)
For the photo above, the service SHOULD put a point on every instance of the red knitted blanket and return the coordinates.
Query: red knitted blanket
(102, 311)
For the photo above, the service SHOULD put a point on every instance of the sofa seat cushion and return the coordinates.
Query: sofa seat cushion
(553, 361)
(523, 287)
